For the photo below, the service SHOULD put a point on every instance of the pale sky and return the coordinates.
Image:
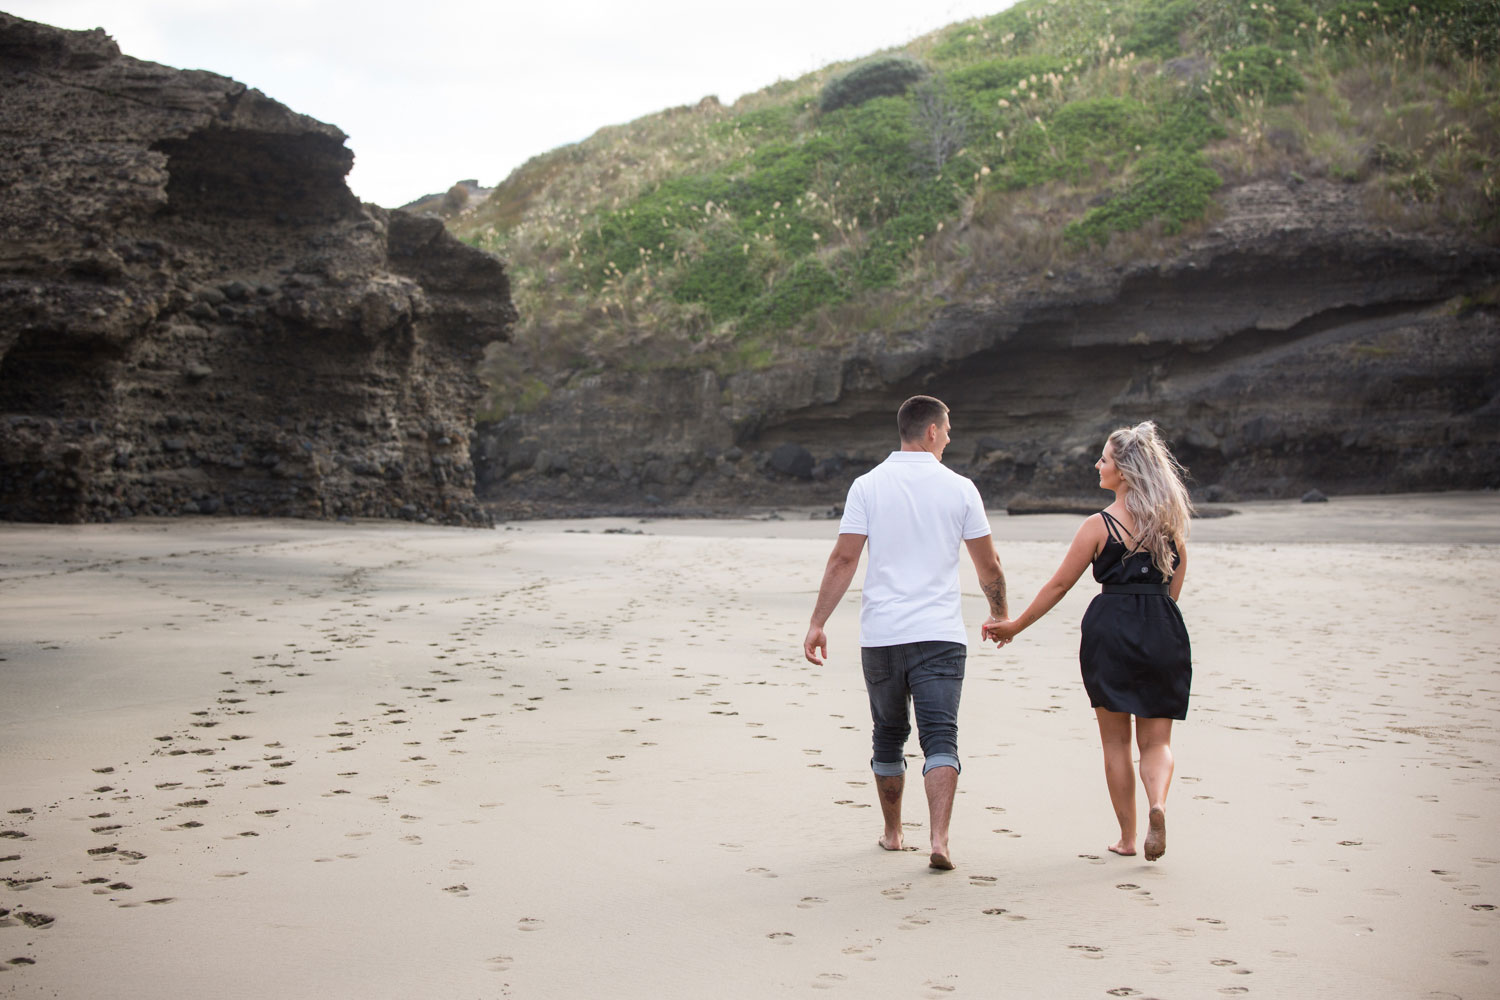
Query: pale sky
(437, 91)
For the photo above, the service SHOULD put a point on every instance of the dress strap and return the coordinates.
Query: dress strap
(1119, 533)
(1113, 526)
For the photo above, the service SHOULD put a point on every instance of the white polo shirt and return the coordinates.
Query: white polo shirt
(915, 513)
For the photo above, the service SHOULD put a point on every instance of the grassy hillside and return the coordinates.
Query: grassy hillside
(1054, 134)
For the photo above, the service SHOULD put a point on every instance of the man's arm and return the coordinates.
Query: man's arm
(991, 576)
(837, 576)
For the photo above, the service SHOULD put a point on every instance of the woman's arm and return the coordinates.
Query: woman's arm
(1180, 571)
(1091, 534)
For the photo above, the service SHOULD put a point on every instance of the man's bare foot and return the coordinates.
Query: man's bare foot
(939, 860)
(1120, 849)
(1156, 834)
(889, 844)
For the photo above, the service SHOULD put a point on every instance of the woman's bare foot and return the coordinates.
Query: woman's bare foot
(1156, 834)
(1122, 849)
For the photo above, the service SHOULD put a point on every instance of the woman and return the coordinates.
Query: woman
(1135, 657)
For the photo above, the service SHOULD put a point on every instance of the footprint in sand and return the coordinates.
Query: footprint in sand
(1123, 991)
(1469, 957)
(983, 881)
(861, 951)
(781, 937)
(896, 892)
(914, 920)
(827, 980)
(498, 963)
(1092, 951)
(529, 924)
(761, 871)
(808, 902)
(459, 890)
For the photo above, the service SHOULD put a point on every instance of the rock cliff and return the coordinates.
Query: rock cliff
(197, 316)
(1296, 344)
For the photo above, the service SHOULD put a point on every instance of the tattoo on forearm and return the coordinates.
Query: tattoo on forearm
(994, 591)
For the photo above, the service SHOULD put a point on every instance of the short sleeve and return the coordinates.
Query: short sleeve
(976, 521)
(855, 521)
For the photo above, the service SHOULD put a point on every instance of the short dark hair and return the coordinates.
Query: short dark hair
(916, 413)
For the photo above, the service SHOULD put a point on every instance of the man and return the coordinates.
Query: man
(913, 512)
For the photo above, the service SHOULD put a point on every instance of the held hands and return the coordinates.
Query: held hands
(999, 630)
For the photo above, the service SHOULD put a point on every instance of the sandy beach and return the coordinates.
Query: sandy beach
(586, 759)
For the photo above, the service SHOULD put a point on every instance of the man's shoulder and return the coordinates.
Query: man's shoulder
(876, 472)
(955, 480)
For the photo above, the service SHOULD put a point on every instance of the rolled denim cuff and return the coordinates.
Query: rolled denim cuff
(888, 769)
(942, 760)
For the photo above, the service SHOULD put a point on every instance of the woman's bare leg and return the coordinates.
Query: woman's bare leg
(1154, 736)
(1119, 773)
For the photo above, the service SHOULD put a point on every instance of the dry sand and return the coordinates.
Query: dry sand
(290, 759)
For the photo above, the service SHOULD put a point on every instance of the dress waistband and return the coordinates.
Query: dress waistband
(1137, 588)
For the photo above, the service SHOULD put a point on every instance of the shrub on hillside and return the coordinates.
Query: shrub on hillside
(887, 76)
(806, 287)
(1472, 27)
(982, 86)
(1158, 28)
(1257, 71)
(456, 199)
(1173, 187)
(723, 277)
(1082, 136)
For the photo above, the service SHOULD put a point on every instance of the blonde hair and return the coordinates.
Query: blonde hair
(1157, 501)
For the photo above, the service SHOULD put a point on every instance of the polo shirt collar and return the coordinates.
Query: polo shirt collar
(912, 456)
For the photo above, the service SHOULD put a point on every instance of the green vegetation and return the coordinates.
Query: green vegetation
(887, 76)
(1056, 132)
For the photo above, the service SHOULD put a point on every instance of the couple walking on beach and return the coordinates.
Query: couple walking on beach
(914, 514)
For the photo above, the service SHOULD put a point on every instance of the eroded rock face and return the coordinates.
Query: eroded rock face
(1296, 345)
(196, 315)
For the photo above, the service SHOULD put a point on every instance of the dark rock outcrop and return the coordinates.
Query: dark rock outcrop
(1297, 343)
(197, 316)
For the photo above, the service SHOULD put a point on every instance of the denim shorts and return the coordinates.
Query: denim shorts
(928, 676)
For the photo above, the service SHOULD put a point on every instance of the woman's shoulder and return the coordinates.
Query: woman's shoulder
(1113, 520)
(1094, 530)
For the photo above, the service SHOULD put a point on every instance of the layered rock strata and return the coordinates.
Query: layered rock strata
(197, 316)
(1296, 344)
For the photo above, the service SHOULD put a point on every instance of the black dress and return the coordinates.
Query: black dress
(1134, 655)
